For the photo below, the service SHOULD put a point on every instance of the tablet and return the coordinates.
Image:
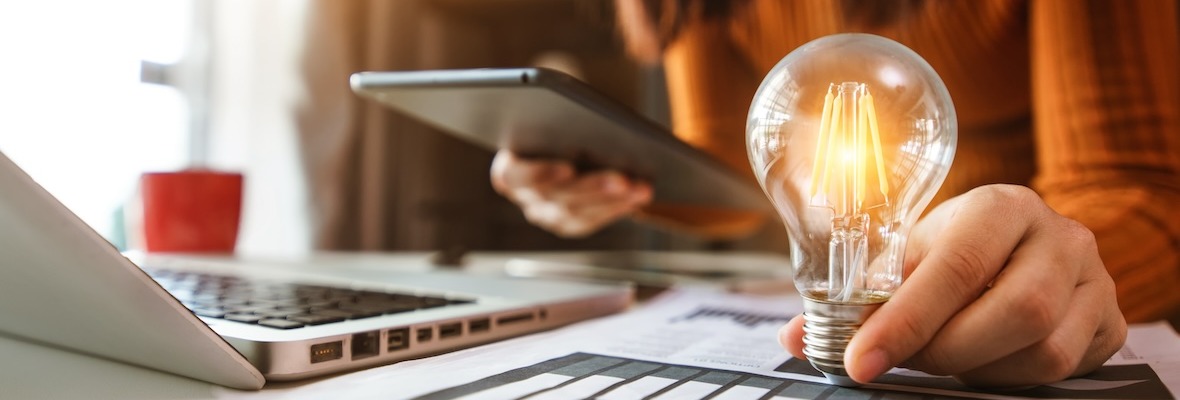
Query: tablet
(544, 113)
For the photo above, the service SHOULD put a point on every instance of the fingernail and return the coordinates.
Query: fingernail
(868, 366)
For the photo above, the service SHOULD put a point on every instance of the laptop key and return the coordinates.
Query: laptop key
(333, 313)
(281, 313)
(232, 302)
(313, 304)
(244, 318)
(208, 312)
(384, 308)
(313, 319)
(280, 323)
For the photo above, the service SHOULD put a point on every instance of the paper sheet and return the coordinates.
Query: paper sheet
(701, 344)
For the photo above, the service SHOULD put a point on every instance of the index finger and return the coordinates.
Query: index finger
(975, 236)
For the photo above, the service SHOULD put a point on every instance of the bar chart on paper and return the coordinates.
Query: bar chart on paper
(582, 375)
(589, 375)
(592, 376)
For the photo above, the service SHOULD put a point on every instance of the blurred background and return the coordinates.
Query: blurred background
(93, 94)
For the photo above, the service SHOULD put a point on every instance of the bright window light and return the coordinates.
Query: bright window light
(73, 113)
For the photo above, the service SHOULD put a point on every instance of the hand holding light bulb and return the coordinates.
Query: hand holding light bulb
(850, 136)
(1000, 291)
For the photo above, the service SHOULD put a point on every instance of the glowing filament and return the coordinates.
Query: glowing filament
(848, 129)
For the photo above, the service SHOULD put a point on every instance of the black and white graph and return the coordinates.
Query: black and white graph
(591, 376)
(582, 376)
(588, 375)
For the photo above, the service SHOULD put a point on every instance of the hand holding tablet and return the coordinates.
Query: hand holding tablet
(538, 113)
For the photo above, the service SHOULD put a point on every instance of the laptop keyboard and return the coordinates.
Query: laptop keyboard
(282, 305)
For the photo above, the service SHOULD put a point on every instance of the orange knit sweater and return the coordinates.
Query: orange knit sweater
(1079, 100)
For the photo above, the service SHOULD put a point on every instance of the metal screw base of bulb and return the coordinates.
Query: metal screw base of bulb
(827, 329)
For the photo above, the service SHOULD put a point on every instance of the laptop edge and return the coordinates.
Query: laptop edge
(54, 261)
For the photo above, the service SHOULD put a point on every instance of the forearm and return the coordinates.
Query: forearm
(1137, 227)
(1107, 118)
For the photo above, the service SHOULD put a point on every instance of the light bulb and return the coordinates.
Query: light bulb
(850, 136)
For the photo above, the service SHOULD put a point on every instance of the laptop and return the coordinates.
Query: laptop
(241, 324)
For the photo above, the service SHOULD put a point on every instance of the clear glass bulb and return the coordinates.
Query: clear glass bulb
(851, 136)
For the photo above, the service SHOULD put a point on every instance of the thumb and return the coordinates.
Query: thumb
(511, 172)
(790, 336)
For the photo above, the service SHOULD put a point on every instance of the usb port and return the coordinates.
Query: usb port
(450, 330)
(479, 325)
(425, 334)
(399, 339)
(366, 344)
(327, 351)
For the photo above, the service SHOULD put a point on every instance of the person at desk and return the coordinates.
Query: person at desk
(1077, 100)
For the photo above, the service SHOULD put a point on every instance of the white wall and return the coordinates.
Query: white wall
(255, 81)
(74, 114)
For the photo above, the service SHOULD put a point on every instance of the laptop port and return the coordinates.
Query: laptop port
(425, 334)
(399, 339)
(512, 319)
(365, 344)
(327, 351)
(450, 330)
(479, 325)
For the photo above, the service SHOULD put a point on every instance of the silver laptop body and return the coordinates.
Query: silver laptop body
(64, 285)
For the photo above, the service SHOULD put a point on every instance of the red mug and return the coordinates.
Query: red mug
(191, 211)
